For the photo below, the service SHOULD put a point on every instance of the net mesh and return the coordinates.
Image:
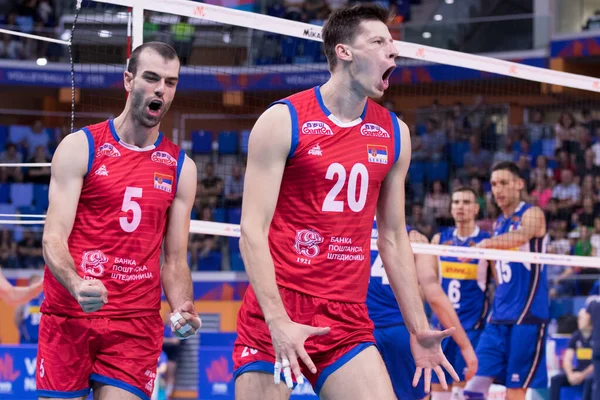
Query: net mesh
(462, 116)
(465, 113)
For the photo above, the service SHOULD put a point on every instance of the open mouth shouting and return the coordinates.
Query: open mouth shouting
(155, 107)
(385, 78)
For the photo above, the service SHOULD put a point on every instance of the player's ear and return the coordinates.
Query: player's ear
(128, 81)
(343, 52)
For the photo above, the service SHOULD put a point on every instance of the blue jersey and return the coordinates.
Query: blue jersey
(381, 302)
(465, 282)
(522, 288)
(28, 330)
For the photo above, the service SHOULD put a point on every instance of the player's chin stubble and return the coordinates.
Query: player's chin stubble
(139, 111)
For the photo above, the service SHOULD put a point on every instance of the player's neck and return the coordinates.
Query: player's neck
(586, 332)
(132, 132)
(342, 99)
(510, 209)
(465, 229)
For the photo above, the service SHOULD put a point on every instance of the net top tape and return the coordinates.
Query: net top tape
(303, 30)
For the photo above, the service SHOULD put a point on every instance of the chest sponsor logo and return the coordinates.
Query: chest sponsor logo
(373, 130)
(92, 263)
(316, 128)
(377, 154)
(316, 151)
(163, 182)
(307, 242)
(102, 171)
(108, 150)
(162, 157)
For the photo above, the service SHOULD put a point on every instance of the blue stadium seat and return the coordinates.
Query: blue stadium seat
(3, 137)
(4, 192)
(416, 172)
(548, 147)
(27, 210)
(289, 48)
(8, 209)
(21, 194)
(457, 153)
(212, 261)
(436, 171)
(40, 197)
(537, 148)
(202, 142)
(16, 133)
(219, 215)
(228, 142)
(234, 215)
(237, 264)
(234, 244)
(244, 141)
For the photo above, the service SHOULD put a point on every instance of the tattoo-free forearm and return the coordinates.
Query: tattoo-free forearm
(61, 264)
(399, 264)
(261, 273)
(177, 284)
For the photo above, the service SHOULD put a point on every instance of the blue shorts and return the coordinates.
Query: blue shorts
(455, 357)
(514, 355)
(393, 343)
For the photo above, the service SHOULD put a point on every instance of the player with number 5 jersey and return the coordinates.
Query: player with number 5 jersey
(321, 164)
(119, 189)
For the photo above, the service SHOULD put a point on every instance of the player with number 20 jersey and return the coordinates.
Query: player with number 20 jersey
(321, 255)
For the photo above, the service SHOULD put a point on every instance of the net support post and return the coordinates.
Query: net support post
(137, 26)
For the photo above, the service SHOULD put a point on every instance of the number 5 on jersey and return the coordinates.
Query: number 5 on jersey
(129, 204)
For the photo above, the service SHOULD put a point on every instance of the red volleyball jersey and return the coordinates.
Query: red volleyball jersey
(120, 224)
(320, 235)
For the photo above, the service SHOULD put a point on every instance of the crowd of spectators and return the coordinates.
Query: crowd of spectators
(37, 17)
(559, 161)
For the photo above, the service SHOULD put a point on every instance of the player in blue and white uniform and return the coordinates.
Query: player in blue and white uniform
(593, 308)
(391, 335)
(464, 281)
(511, 349)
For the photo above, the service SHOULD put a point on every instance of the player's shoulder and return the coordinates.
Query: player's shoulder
(75, 141)
(532, 210)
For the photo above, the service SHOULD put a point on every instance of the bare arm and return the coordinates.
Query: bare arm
(69, 167)
(268, 148)
(567, 362)
(17, 295)
(532, 226)
(435, 295)
(175, 274)
(393, 242)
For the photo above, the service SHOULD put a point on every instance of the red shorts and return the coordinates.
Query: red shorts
(351, 332)
(117, 352)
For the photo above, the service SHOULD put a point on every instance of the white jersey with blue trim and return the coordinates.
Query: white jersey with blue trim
(522, 288)
(381, 302)
(465, 282)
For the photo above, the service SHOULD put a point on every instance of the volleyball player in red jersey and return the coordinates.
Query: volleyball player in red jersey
(321, 163)
(118, 190)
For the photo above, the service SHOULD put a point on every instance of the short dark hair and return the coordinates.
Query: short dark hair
(164, 50)
(464, 188)
(342, 26)
(507, 166)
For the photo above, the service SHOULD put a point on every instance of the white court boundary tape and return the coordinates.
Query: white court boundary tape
(233, 230)
(246, 19)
